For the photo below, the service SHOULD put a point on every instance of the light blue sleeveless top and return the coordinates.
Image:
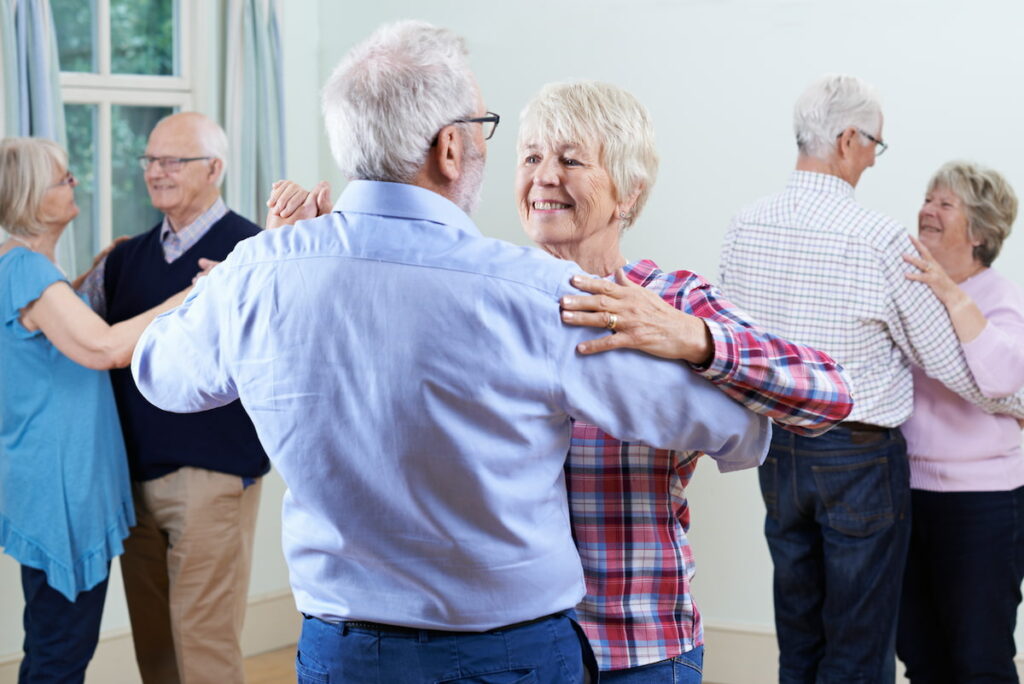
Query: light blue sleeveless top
(65, 496)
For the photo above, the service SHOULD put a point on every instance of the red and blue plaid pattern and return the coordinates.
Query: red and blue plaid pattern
(628, 500)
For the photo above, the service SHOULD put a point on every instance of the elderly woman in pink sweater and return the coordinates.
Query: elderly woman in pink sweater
(963, 576)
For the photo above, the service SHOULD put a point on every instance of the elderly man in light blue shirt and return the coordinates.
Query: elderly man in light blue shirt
(414, 385)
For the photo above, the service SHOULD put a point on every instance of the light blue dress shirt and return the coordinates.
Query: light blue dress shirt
(413, 383)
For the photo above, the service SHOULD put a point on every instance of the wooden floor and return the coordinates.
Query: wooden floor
(275, 667)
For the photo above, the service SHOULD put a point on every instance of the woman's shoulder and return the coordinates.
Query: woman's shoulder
(991, 288)
(24, 275)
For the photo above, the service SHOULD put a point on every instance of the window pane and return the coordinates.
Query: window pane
(82, 160)
(142, 37)
(75, 22)
(133, 213)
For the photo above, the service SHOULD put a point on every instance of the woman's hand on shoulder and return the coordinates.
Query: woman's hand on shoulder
(637, 318)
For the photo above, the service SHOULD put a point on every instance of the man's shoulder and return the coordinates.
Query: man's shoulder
(420, 244)
(238, 224)
(823, 212)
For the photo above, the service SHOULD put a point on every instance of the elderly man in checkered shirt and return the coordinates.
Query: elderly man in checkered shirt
(814, 266)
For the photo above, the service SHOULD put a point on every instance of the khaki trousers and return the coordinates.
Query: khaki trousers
(186, 575)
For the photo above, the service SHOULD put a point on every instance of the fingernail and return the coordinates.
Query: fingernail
(567, 301)
(568, 315)
(582, 347)
(576, 280)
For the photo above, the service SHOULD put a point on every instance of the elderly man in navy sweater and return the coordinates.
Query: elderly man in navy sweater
(196, 476)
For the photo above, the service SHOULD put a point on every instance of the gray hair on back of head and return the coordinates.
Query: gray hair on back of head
(391, 94)
(829, 106)
(27, 166)
(989, 202)
(603, 114)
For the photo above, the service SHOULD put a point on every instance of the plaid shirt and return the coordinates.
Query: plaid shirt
(628, 500)
(813, 265)
(174, 245)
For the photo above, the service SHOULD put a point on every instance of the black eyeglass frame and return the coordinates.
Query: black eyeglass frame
(882, 146)
(145, 161)
(490, 118)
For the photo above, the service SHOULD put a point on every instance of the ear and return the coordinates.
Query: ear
(447, 154)
(625, 205)
(216, 166)
(845, 141)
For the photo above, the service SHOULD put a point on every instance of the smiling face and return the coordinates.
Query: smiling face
(189, 191)
(58, 207)
(942, 226)
(566, 198)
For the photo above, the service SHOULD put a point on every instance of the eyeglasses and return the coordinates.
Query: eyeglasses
(490, 123)
(881, 146)
(68, 179)
(168, 164)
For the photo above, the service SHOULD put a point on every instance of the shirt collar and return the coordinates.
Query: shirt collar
(215, 213)
(401, 200)
(819, 182)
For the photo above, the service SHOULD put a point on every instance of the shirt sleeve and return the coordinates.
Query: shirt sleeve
(640, 398)
(799, 387)
(31, 274)
(996, 356)
(179, 363)
(920, 326)
(93, 291)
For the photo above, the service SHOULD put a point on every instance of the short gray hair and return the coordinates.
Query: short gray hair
(591, 111)
(829, 106)
(391, 94)
(989, 202)
(27, 167)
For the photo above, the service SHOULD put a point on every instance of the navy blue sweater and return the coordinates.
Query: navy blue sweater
(158, 442)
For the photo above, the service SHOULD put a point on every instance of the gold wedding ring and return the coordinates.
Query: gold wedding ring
(613, 321)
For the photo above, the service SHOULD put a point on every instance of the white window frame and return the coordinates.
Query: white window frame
(105, 90)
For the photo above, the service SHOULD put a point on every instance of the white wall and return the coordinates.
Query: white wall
(720, 78)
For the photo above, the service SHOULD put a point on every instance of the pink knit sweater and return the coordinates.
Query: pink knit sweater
(954, 446)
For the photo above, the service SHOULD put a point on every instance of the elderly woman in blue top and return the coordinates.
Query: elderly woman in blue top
(65, 497)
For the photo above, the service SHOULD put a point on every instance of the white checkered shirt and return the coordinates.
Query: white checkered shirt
(815, 267)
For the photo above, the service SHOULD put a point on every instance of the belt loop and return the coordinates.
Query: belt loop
(423, 637)
(344, 629)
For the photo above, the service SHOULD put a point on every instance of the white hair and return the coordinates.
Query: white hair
(27, 167)
(829, 106)
(391, 94)
(604, 114)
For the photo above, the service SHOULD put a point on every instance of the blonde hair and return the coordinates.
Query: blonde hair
(27, 166)
(989, 203)
(591, 111)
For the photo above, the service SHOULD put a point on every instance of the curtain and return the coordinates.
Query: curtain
(254, 106)
(31, 86)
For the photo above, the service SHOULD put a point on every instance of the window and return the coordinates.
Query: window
(124, 66)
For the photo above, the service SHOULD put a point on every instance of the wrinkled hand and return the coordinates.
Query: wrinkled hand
(205, 266)
(932, 274)
(639, 318)
(290, 202)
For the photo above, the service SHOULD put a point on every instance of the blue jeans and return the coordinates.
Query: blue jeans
(837, 525)
(549, 651)
(685, 668)
(962, 587)
(60, 635)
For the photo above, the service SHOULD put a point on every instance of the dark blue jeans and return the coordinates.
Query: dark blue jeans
(60, 635)
(685, 668)
(837, 525)
(962, 587)
(549, 651)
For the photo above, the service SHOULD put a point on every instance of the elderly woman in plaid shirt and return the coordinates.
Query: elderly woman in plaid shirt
(586, 166)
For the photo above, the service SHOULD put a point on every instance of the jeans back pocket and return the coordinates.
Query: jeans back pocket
(857, 496)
